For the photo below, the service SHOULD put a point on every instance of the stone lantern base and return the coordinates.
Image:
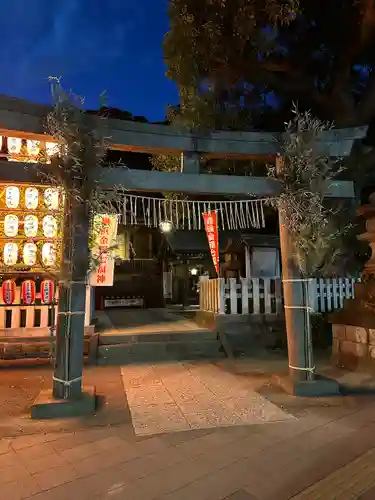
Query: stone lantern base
(353, 330)
(353, 327)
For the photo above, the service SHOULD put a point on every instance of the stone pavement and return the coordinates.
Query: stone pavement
(193, 395)
(325, 451)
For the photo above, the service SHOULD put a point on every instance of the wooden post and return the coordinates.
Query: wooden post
(247, 262)
(67, 381)
(295, 314)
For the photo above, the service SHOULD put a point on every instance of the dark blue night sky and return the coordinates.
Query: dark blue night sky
(94, 45)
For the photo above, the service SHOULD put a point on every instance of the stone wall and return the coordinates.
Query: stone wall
(247, 331)
(353, 346)
(15, 348)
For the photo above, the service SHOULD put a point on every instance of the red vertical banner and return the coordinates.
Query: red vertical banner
(212, 231)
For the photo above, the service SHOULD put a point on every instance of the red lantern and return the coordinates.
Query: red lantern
(47, 291)
(28, 292)
(8, 290)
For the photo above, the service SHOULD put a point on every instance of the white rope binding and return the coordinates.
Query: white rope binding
(66, 383)
(300, 369)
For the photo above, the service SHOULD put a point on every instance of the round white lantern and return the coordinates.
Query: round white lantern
(29, 254)
(30, 226)
(48, 254)
(10, 254)
(31, 198)
(10, 225)
(32, 147)
(49, 226)
(51, 198)
(12, 196)
(14, 145)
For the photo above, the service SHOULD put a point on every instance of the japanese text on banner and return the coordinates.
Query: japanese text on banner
(212, 231)
(105, 227)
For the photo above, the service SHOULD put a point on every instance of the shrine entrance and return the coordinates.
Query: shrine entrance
(18, 118)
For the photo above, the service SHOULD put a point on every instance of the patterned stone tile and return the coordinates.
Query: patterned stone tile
(193, 396)
(214, 417)
(148, 395)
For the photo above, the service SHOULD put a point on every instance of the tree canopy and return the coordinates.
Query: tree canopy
(241, 63)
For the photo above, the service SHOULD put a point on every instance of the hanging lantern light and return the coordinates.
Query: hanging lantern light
(29, 254)
(10, 254)
(49, 226)
(8, 291)
(47, 291)
(51, 198)
(30, 226)
(12, 196)
(14, 145)
(31, 198)
(48, 254)
(11, 225)
(32, 147)
(52, 148)
(28, 292)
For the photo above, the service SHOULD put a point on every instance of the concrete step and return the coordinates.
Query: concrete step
(115, 338)
(121, 354)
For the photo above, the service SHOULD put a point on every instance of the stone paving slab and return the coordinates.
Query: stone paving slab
(102, 458)
(349, 482)
(185, 396)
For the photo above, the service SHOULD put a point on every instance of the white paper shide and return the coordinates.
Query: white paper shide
(11, 225)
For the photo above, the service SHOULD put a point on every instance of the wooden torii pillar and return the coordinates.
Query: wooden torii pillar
(24, 119)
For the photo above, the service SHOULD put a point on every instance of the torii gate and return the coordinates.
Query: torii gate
(25, 119)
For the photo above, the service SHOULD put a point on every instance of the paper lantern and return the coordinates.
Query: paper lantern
(10, 254)
(52, 148)
(30, 226)
(28, 292)
(51, 198)
(48, 254)
(31, 198)
(8, 291)
(12, 196)
(11, 225)
(49, 226)
(29, 254)
(14, 145)
(32, 147)
(47, 291)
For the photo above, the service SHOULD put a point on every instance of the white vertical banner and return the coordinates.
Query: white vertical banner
(105, 236)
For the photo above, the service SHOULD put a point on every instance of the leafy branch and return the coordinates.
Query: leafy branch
(314, 225)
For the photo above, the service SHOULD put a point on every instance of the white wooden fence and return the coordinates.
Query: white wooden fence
(17, 319)
(264, 295)
(35, 320)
